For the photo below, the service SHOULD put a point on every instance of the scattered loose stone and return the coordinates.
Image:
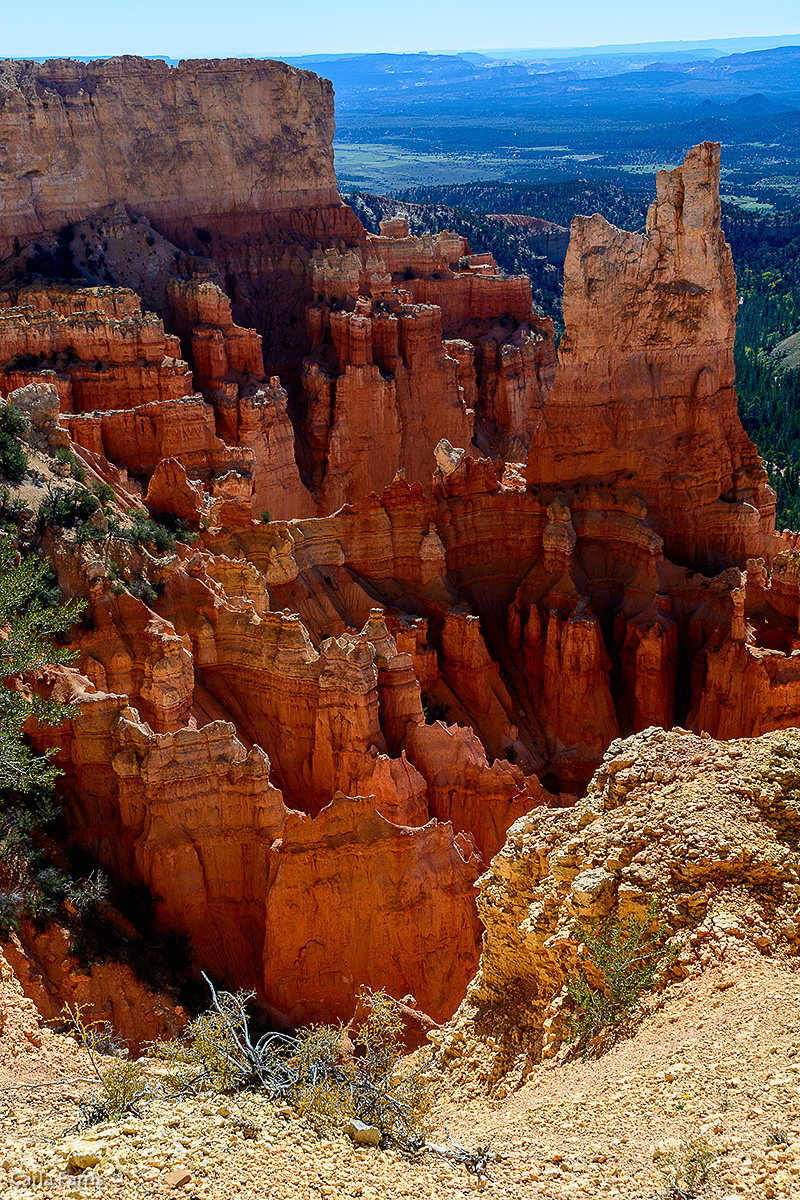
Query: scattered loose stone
(362, 1134)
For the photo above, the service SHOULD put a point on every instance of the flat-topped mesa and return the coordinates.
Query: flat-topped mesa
(220, 144)
(645, 388)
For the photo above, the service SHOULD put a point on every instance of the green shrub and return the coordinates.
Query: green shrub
(143, 590)
(66, 507)
(84, 532)
(12, 903)
(153, 534)
(80, 948)
(266, 516)
(103, 491)
(124, 1089)
(13, 459)
(12, 508)
(180, 529)
(29, 628)
(85, 895)
(45, 593)
(45, 886)
(369, 1086)
(13, 422)
(66, 458)
(625, 961)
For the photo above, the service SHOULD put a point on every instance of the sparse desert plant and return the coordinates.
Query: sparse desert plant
(65, 458)
(123, 1087)
(216, 1052)
(266, 516)
(369, 1084)
(95, 1035)
(625, 959)
(326, 1077)
(686, 1169)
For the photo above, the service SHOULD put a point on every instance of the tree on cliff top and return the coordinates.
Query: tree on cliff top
(27, 626)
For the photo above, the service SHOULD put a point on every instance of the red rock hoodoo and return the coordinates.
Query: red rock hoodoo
(309, 730)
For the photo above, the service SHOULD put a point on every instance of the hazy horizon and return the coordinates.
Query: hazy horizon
(724, 46)
(89, 28)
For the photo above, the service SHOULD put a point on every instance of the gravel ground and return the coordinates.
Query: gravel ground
(718, 1060)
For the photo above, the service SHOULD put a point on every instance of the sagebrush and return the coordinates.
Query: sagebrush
(686, 1169)
(328, 1077)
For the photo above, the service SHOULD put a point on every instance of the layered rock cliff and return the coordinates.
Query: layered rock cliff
(309, 726)
(221, 144)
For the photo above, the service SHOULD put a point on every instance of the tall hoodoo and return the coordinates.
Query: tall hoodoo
(645, 396)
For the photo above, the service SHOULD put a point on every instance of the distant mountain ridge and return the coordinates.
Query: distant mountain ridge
(773, 71)
(716, 47)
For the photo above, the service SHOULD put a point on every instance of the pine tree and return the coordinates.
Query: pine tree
(27, 626)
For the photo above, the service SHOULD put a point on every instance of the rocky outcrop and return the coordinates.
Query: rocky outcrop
(586, 629)
(109, 993)
(358, 929)
(94, 344)
(128, 396)
(414, 340)
(23, 1034)
(449, 345)
(395, 394)
(706, 829)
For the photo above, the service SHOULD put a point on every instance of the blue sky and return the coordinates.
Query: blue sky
(202, 28)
